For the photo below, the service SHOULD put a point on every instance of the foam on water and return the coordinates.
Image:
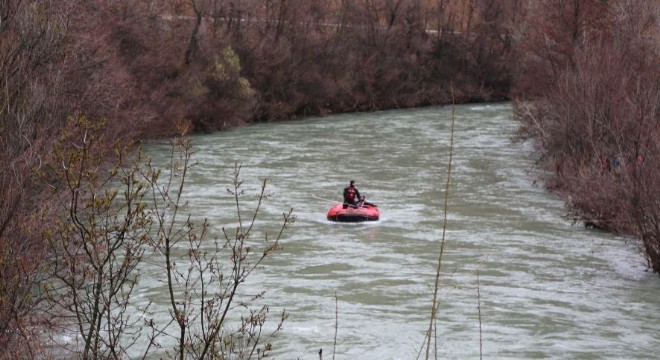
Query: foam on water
(548, 289)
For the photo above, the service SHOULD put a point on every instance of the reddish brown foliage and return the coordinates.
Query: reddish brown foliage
(595, 118)
(550, 32)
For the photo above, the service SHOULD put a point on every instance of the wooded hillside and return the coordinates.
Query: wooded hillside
(585, 76)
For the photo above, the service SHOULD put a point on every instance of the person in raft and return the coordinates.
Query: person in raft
(362, 203)
(351, 195)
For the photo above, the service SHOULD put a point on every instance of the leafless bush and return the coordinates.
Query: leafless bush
(203, 276)
(32, 33)
(109, 221)
(95, 245)
(595, 122)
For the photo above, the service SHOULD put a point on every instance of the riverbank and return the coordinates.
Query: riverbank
(595, 122)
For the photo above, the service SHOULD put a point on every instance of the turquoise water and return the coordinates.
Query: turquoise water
(547, 288)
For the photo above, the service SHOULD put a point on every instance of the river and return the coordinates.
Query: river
(543, 287)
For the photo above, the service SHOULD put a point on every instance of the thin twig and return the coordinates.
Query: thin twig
(436, 288)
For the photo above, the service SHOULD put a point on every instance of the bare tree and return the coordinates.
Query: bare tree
(203, 276)
(199, 10)
(31, 33)
(97, 244)
(109, 219)
(595, 121)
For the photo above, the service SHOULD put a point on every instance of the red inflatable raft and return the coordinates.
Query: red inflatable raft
(352, 214)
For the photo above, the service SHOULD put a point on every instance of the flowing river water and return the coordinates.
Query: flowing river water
(517, 281)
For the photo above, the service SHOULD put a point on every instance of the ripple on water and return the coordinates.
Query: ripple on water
(545, 288)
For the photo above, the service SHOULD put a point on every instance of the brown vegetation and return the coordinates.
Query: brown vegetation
(586, 74)
(158, 68)
(594, 110)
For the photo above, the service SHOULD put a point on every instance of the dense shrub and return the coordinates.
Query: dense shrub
(594, 111)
